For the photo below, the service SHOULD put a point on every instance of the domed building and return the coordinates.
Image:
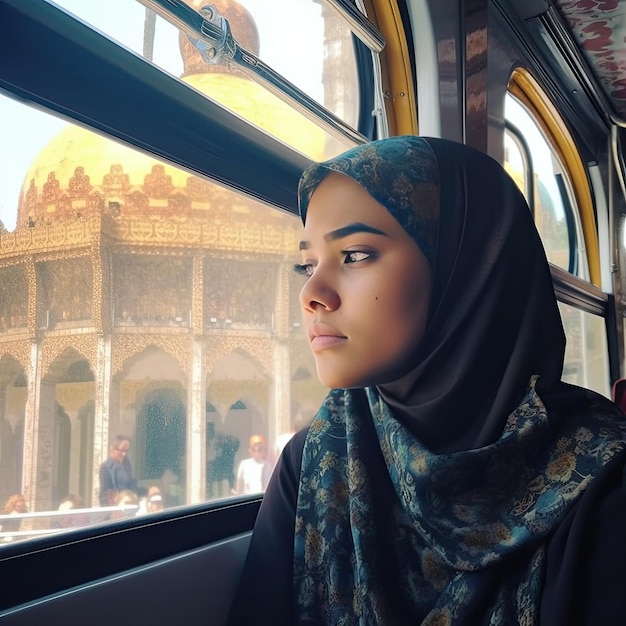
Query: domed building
(138, 299)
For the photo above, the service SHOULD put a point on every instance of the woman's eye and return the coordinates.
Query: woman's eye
(356, 256)
(306, 269)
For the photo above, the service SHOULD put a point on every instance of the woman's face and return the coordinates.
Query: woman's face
(365, 303)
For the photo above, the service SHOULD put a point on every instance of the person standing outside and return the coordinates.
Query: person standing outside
(116, 472)
(253, 473)
(15, 505)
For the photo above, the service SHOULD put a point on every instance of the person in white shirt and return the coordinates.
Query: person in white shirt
(254, 472)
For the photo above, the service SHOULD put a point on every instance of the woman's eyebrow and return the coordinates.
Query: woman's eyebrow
(346, 231)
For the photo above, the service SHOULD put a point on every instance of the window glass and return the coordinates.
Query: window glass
(586, 360)
(140, 301)
(550, 193)
(319, 59)
(515, 164)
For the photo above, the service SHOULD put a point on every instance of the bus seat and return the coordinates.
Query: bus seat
(619, 393)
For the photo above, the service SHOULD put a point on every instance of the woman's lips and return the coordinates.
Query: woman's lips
(322, 342)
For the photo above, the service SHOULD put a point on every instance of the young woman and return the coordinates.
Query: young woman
(449, 477)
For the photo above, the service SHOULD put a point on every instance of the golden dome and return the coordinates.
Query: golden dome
(80, 171)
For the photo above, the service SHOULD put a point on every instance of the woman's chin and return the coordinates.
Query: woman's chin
(337, 380)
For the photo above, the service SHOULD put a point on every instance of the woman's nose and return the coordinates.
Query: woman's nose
(319, 292)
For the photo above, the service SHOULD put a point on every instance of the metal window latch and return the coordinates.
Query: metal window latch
(221, 46)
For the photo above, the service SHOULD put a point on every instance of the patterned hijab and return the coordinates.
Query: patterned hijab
(417, 496)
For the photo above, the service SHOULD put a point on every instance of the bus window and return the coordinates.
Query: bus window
(137, 300)
(320, 60)
(535, 164)
(542, 178)
(586, 362)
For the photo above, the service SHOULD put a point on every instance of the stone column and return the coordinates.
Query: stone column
(102, 411)
(196, 427)
(280, 401)
(73, 397)
(196, 393)
(31, 427)
(31, 421)
(102, 299)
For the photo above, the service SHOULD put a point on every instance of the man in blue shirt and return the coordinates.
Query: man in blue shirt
(116, 472)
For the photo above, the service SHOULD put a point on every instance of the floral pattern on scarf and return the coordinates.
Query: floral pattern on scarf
(456, 519)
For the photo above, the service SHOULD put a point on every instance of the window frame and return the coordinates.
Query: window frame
(570, 288)
(122, 546)
(523, 86)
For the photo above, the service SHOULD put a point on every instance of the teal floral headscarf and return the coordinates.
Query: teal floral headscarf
(429, 500)
(399, 174)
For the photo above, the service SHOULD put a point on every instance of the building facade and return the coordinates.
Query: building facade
(139, 299)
